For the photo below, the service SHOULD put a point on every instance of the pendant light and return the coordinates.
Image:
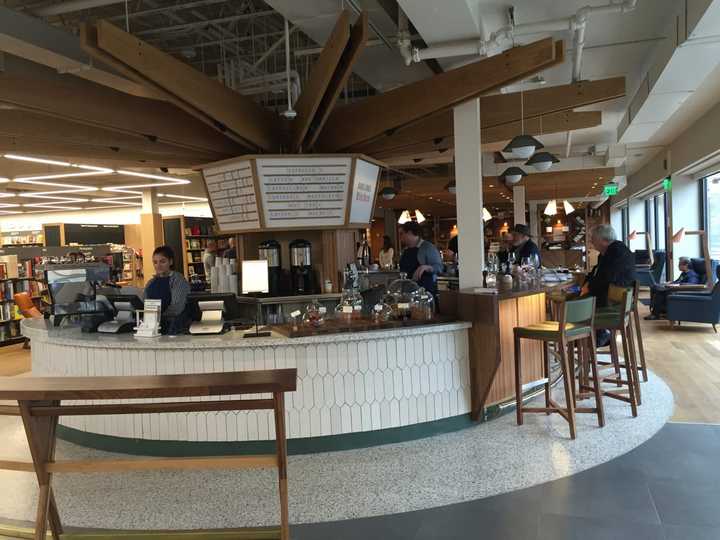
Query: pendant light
(569, 208)
(513, 175)
(404, 217)
(523, 146)
(388, 193)
(551, 208)
(487, 216)
(419, 216)
(542, 161)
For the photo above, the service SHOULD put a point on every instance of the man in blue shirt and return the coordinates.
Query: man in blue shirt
(659, 293)
(523, 246)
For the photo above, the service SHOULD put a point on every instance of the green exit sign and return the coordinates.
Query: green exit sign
(610, 189)
(667, 184)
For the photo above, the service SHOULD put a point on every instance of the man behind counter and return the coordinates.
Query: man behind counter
(522, 244)
(420, 259)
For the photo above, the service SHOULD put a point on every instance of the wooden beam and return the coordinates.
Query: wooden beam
(370, 118)
(358, 39)
(88, 42)
(551, 123)
(79, 101)
(251, 122)
(500, 109)
(42, 128)
(103, 156)
(320, 77)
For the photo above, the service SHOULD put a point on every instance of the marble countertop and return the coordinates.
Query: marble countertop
(40, 329)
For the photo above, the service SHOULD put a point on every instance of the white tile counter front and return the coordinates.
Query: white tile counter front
(347, 383)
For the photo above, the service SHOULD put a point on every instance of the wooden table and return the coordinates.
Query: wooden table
(40, 404)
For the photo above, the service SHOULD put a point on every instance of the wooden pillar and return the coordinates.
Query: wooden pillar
(534, 222)
(468, 181)
(151, 230)
(338, 251)
(391, 227)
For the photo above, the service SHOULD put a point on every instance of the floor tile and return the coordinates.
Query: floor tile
(467, 522)
(687, 503)
(391, 527)
(556, 527)
(611, 490)
(680, 532)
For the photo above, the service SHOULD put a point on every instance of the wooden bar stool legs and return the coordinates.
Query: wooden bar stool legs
(642, 365)
(589, 372)
(40, 432)
(631, 380)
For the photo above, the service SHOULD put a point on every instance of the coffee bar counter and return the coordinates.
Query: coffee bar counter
(355, 388)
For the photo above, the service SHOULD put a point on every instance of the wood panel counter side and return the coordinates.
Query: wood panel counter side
(493, 316)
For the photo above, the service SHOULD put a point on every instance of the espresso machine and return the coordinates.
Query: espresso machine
(301, 271)
(269, 250)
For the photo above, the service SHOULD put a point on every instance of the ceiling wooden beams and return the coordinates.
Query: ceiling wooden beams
(358, 39)
(258, 127)
(320, 77)
(371, 118)
(502, 109)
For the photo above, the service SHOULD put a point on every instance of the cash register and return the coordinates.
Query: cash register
(214, 311)
(125, 307)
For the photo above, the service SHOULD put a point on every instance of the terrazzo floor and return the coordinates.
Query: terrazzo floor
(479, 462)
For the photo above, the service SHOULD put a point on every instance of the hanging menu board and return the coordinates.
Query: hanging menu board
(304, 192)
(232, 193)
(286, 192)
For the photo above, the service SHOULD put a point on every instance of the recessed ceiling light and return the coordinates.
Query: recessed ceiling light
(185, 197)
(53, 176)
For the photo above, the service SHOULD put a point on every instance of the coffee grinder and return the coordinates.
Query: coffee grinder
(301, 271)
(269, 250)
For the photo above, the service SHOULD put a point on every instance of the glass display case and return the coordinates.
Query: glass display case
(401, 297)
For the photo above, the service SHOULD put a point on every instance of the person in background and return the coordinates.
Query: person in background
(386, 257)
(659, 293)
(453, 247)
(171, 289)
(208, 257)
(616, 266)
(420, 259)
(506, 246)
(231, 251)
(522, 244)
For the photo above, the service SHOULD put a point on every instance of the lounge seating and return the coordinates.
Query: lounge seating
(648, 275)
(699, 307)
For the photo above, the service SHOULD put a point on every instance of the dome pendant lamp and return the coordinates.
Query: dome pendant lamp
(513, 175)
(542, 161)
(523, 146)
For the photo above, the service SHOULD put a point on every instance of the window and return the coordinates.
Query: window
(655, 220)
(712, 212)
(625, 217)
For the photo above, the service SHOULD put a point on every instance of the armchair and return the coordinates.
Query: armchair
(701, 307)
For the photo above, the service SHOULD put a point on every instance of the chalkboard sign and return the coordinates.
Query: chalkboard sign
(52, 235)
(88, 235)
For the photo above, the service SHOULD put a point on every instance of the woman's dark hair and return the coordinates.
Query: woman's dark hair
(411, 227)
(165, 251)
(387, 243)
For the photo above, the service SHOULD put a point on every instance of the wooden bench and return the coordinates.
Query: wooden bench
(40, 404)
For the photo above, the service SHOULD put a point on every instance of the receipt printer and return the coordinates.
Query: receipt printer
(124, 320)
(211, 320)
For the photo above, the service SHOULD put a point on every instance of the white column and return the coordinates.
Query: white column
(519, 204)
(149, 201)
(468, 181)
(534, 223)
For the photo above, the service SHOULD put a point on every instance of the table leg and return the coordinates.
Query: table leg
(281, 442)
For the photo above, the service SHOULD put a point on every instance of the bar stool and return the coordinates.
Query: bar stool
(642, 364)
(617, 319)
(574, 325)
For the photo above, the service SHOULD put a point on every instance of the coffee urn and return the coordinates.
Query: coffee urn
(270, 251)
(301, 267)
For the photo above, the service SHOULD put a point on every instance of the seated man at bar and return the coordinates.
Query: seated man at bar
(420, 259)
(522, 244)
(171, 289)
(616, 265)
(659, 293)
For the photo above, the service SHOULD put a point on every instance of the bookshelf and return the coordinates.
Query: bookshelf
(10, 316)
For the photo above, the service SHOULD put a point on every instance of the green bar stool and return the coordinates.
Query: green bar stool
(617, 319)
(574, 326)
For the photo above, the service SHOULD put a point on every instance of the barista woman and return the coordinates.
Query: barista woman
(171, 289)
(420, 259)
